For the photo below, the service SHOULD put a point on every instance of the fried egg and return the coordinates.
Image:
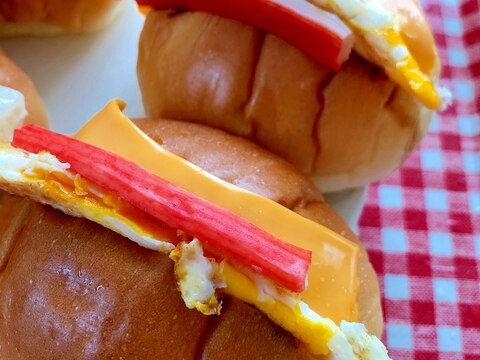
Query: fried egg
(379, 39)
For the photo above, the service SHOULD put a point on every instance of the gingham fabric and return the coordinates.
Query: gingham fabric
(421, 226)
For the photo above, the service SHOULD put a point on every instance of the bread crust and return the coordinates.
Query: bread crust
(50, 17)
(15, 78)
(72, 289)
(346, 128)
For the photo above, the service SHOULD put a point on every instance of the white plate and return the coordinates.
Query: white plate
(77, 75)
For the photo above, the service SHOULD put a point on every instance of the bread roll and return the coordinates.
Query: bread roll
(71, 289)
(344, 128)
(50, 17)
(15, 78)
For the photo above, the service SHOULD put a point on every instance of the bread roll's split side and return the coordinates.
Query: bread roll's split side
(72, 289)
(284, 107)
(198, 67)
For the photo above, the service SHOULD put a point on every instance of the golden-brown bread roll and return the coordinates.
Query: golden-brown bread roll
(344, 128)
(71, 289)
(50, 17)
(15, 78)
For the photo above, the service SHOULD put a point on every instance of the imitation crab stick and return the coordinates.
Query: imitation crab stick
(223, 231)
(318, 33)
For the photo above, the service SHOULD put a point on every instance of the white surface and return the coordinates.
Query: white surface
(349, 204)
(77, 75)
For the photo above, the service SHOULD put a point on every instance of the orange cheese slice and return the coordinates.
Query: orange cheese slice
(332, 279)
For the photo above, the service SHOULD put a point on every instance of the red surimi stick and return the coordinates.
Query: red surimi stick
(228, 234)
(317, 33)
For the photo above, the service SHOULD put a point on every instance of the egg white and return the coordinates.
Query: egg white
(12, 112)
(23, 174)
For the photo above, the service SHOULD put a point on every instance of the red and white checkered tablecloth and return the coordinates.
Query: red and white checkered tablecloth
(421, 226)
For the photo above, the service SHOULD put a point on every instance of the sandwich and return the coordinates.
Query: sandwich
(53, 17)
(344, 90)
(160, 239)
